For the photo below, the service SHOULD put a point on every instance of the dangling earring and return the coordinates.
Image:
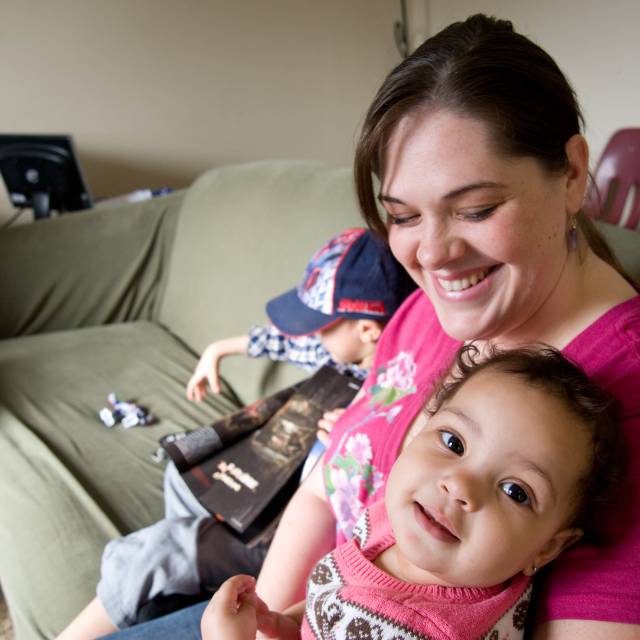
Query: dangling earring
(572, 235)
(534, 569)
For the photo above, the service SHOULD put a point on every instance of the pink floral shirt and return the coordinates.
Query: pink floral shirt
(366, 441)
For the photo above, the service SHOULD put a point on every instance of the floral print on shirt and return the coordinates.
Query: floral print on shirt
(350, 478)
(395, 380)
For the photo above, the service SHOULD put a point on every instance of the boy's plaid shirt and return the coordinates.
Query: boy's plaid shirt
(306, 352)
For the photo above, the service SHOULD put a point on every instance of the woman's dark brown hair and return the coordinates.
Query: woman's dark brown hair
(480, 68)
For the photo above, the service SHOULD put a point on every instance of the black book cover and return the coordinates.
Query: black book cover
(238, 483)
(205, 441)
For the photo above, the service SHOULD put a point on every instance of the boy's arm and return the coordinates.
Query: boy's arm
(306, 351)
(305, 534)
(208, 366)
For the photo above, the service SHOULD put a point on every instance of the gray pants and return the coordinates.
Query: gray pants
(187, 552)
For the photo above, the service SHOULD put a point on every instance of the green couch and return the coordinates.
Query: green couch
(124, 300)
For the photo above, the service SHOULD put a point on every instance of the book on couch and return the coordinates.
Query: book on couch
(247, 483)
(193, 447)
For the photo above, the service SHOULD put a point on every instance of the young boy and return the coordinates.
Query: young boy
(351, 288)
(517, 450)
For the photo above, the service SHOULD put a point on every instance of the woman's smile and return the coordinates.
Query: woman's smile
(460, 284)
(464, 287)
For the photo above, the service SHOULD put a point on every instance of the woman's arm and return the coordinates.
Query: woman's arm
(305, 534)
(586, 630)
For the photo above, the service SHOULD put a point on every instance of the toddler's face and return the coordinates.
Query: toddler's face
(483, 489)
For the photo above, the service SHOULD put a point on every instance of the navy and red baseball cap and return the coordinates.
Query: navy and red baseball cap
(354, 275)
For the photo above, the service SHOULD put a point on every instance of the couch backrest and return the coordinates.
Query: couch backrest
(245, 234)
(626, 245)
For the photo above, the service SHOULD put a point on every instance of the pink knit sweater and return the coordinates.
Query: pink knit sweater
(350, 597)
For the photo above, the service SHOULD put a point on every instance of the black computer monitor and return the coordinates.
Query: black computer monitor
(42, 172)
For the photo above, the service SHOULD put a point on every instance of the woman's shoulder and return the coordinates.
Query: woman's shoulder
(617, 327)
(609, 349)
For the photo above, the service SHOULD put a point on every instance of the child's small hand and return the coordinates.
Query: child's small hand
(206, 371)
(232, 613)
(326, 424)
(207, 367)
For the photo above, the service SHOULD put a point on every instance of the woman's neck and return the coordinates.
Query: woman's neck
(587, 288)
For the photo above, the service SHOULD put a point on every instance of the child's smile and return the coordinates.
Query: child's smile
(487, 488)
(435, 523)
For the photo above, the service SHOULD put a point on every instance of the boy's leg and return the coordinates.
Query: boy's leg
(187, 555)
(179, 501)
(220, 555)
(155, 560)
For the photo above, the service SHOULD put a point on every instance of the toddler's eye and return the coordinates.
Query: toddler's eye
(516, 492)
(452, 442)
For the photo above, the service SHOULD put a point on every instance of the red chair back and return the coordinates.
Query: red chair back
(617, 178)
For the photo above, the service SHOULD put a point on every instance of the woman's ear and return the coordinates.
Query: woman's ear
(577, 173)
(553, 548)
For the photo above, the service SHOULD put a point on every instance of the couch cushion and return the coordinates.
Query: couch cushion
(86, 269)
(245, 234)
(85, 483)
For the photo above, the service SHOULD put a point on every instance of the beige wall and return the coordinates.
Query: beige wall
(156, 91)
(595, 43)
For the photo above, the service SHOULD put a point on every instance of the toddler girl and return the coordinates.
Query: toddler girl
(514, 456)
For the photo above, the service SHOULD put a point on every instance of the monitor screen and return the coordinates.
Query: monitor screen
(42, 172)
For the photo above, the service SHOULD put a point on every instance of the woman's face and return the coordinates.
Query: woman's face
(482, 234)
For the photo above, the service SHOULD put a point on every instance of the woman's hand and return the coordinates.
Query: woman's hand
(326, 423)
(209, 363)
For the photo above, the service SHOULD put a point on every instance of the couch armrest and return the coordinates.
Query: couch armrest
(85, 269)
